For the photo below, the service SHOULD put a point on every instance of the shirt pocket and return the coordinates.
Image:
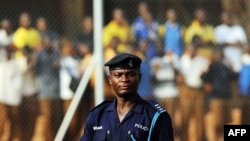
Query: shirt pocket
(138, 135)
(100, 135)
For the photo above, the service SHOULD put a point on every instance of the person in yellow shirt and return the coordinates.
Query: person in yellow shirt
(204, 31)
(26, 39)
(111, 49)
(118, 27)
(26, 35)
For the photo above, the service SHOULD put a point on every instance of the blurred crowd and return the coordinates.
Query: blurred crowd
(200, 73)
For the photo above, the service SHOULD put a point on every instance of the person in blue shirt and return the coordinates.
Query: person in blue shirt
(145, 87)
(173, 40)
(145, 27)
(128, 117)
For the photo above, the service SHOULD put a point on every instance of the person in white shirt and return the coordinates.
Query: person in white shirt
(191, 98)
(6, 36)
(10, 90)
(164, 71)
(68, 70)
(231, 37)
(165, 90)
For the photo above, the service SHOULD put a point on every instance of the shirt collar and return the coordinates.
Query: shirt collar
(138, 107)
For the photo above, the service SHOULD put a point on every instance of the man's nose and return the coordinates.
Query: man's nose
(124, 78)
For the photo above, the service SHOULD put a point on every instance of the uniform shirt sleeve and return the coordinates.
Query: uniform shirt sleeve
(163, 130)
(88, 129)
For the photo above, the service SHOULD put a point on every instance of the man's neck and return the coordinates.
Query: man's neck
(123, 106)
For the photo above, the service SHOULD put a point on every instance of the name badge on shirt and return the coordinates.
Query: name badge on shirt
(145, 128)
(97, 128)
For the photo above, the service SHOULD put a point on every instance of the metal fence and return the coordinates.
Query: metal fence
(195, 62)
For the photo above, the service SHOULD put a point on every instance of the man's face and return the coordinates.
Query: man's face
(25, 20)
(87, 24)
(118, 16)
(226, 19)
(124, 82)
(200, 16)
(171, 15)
(41, 24)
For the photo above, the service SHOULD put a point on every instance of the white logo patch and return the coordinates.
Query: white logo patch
(145, 128)
(130, 64)
(97, 127)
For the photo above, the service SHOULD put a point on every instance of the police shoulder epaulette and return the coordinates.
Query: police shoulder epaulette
(103, 104)
(157, 106)
(159, 109)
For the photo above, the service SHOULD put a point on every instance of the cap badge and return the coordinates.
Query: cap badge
(130, 64)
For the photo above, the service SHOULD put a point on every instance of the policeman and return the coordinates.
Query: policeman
(128, 117)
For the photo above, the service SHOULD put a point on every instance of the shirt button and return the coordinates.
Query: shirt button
(108, 132)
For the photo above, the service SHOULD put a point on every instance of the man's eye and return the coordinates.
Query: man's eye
(117, 75)
(131, 74)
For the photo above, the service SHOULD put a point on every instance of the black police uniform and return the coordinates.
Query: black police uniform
(146, 121)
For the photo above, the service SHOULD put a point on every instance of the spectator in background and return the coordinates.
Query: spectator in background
(6, 37)
(164, 69)
(205, 31)
(48, 77)
(173, 34)
(26, 35)
(244, 85)
(86, 32)
(87, 100)
(27, 40)
(142, 8)
(145, 86)
(11, 94)
(217, 81)
(244, 79)
(86, 50)
(132, 48)
(232, 37)
(192, 65)
(111, 49)
(43, 28)
(146, 28)
(29, 93)
(118, 27)
(68, 70)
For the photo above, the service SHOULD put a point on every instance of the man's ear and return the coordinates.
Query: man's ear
(109, 79)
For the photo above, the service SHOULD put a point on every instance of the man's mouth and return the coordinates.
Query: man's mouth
(124, 87)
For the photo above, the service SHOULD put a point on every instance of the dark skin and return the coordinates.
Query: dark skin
(124, 83)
